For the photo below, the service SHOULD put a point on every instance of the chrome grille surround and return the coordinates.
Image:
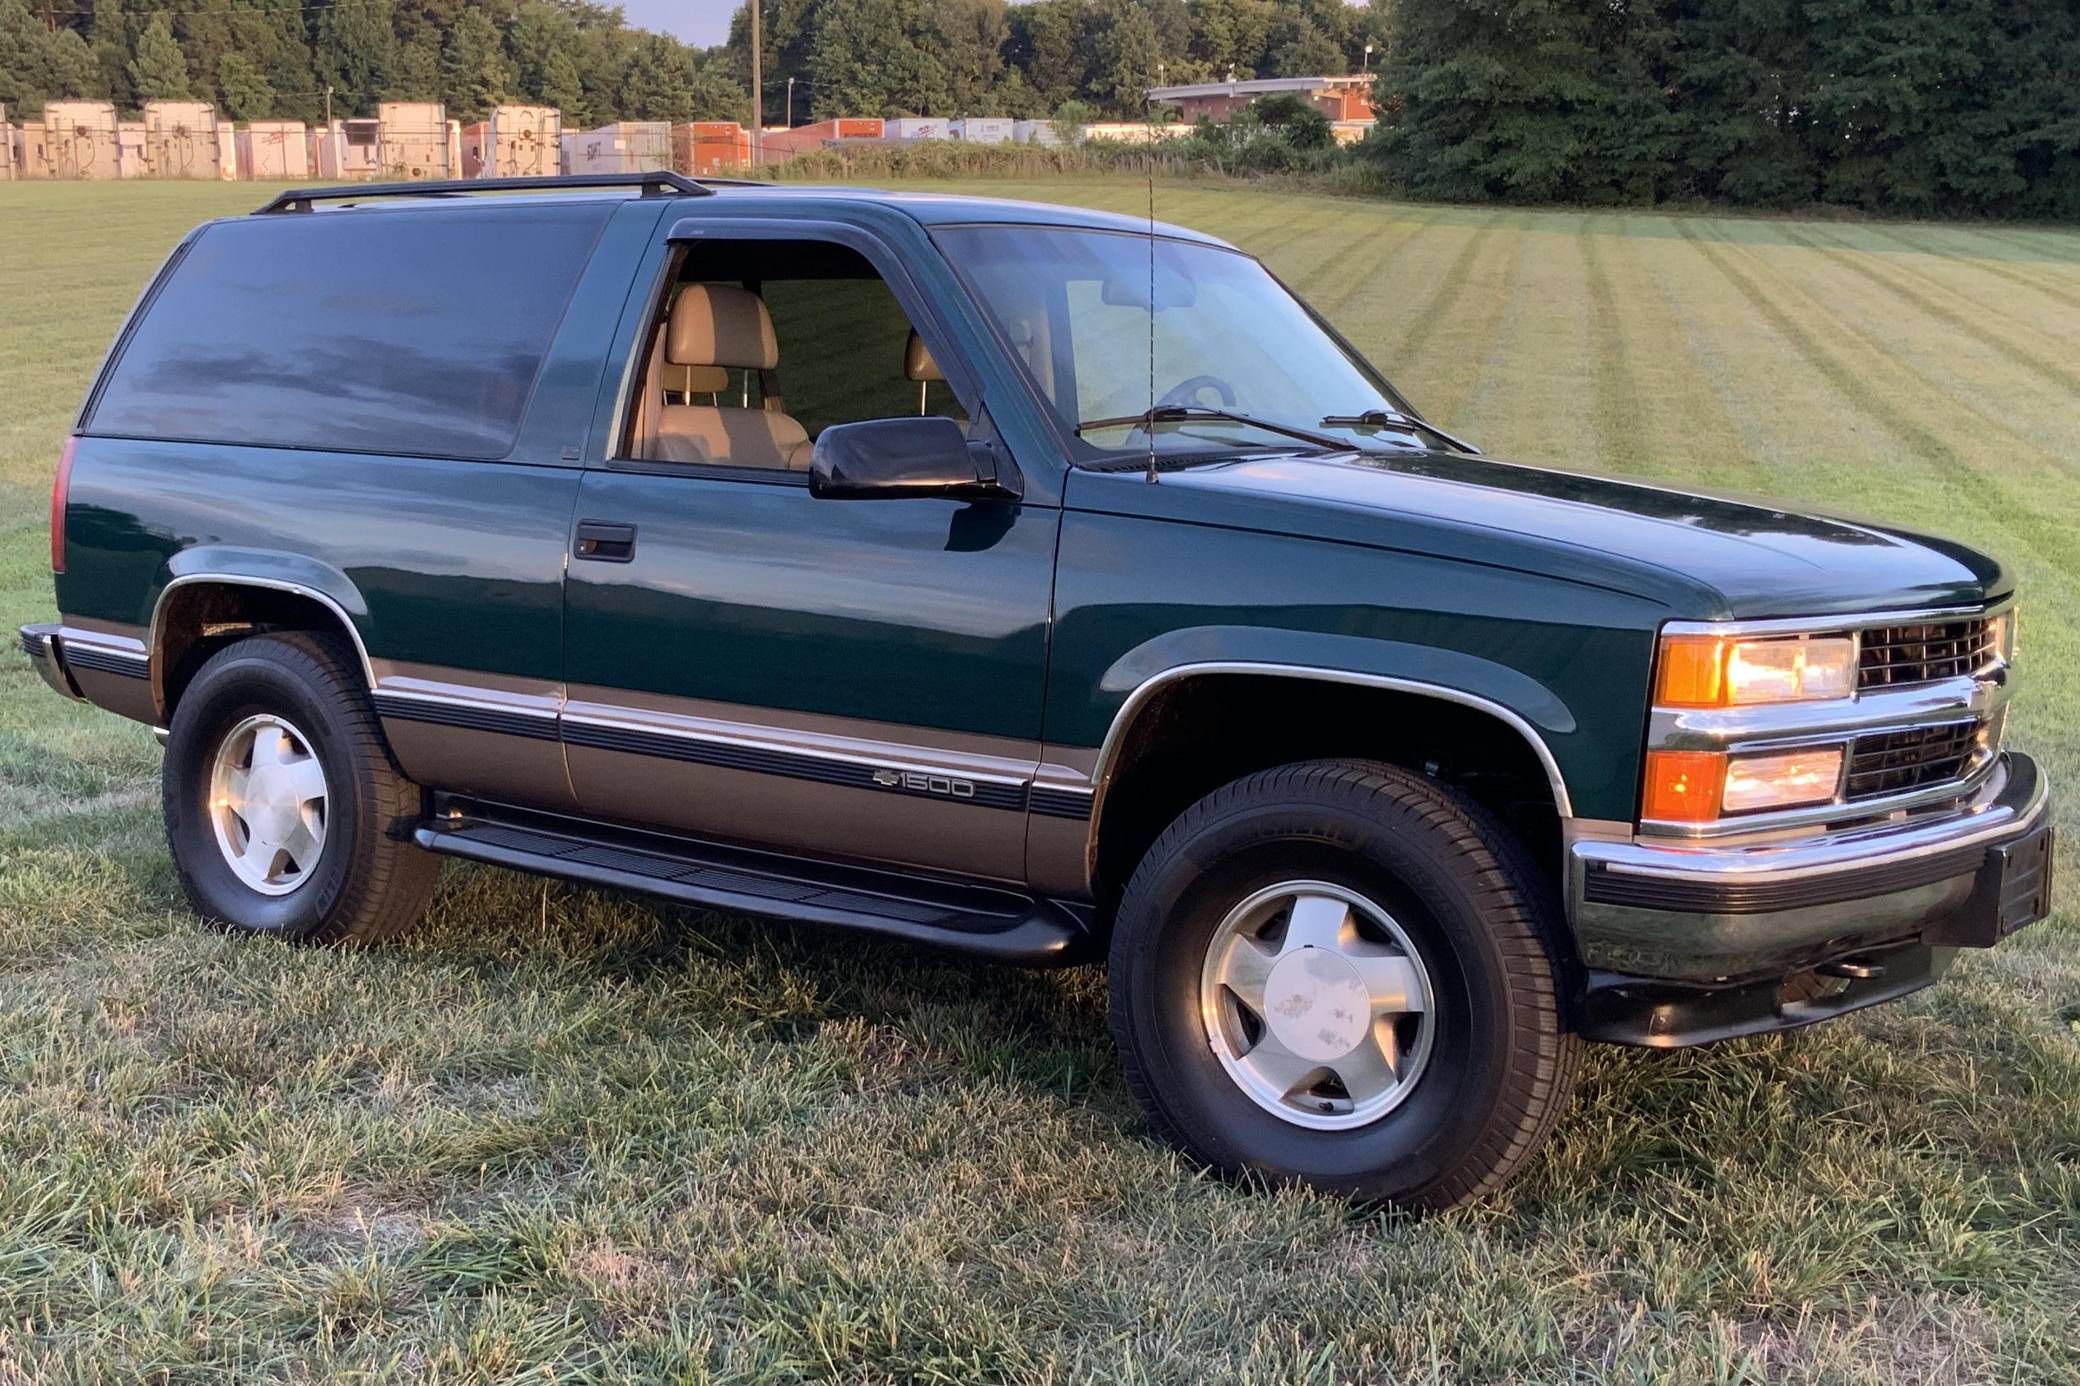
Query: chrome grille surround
(1910, 745)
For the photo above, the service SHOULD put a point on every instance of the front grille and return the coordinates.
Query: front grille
(1923, 652)
(1897, 762)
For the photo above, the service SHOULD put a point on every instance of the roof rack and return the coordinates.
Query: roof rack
(658, 183)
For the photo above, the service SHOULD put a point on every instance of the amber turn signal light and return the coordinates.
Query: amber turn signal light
(1693, 671)
(1683, 786)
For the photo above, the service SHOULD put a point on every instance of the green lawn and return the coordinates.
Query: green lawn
(563, 1132)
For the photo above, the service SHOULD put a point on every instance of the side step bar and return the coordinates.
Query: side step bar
(999, 924)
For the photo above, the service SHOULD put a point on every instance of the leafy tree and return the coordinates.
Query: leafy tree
(1070, 120)
(243, 91)
(877, 57)
(37, 65)
(1124, 51)
(1042, 43)
(1298, 121)
(416, 75)
(357, 53)
(159, 70)
(475, 73)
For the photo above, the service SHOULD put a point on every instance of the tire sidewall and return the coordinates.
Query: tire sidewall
(1409, 869)
(235, 684)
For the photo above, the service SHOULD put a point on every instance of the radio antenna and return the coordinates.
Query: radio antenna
(1148, 422)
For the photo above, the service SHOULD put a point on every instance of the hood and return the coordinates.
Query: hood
(1704, 556)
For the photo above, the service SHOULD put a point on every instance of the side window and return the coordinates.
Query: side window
(376, 330)
(758, 346)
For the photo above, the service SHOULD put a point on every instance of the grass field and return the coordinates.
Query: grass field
(566, 1133)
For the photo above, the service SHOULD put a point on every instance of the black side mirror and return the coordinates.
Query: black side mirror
(886, 459)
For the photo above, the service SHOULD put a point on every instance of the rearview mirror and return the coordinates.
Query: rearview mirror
(886, 459)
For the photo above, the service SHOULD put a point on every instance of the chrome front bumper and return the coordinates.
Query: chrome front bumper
(1718, 913)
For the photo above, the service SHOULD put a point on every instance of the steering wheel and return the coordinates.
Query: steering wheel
(1183, 392)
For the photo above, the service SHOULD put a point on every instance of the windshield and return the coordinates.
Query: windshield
(1229, 340)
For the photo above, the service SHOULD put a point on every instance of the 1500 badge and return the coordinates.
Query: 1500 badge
(917, 782)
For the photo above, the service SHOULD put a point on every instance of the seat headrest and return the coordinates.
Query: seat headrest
(917, 360)
(721, 325)
(704, 380)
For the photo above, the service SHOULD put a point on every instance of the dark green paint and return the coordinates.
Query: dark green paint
(1534, 589)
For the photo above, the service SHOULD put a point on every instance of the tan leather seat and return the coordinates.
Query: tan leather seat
(919, 366)
(721, 326)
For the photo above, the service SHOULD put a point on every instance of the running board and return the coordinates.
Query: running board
(1000, 924)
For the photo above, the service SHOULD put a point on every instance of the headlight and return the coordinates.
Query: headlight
(1722, 671)
(1701, 786)
(2004, 632)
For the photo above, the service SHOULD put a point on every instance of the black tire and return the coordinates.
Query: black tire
(370, 881)
(1502, 1062)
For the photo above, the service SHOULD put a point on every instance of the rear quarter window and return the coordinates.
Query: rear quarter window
(369, 331)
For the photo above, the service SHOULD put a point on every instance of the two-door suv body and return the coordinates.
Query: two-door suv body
(1035, 582)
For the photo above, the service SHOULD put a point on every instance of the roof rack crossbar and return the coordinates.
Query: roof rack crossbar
(653, 184)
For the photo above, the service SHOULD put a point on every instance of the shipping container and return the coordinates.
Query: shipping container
(227, 151)
(710, 147)
(822, 135)
(78, 139)
(628, 146)
(984, 130)
(413, 140)
(1036, 132)
(180, 139)
(917, 128)
(348, 150)
(8, 154)
(271, 151)
(514, 142)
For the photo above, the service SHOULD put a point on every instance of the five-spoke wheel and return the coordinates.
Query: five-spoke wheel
(267, 804)
(1317, 1004)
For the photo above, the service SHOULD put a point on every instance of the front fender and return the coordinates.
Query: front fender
(1535, 711)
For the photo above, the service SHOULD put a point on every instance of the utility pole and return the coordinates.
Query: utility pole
(758, 93)
(328, 108)
(790, 103)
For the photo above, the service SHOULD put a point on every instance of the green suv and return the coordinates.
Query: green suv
(1029, 581)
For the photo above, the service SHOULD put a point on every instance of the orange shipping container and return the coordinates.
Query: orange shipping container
(710, 146)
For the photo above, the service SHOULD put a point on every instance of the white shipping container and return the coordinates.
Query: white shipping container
(985, 130)
(274, 151)
(7, 149)
(227, 151)
(414, 140)
(917, 128)
(1035, 132)
(180, 140)
(350, 149)
(628, 146)
(79, 139)
(523, 142)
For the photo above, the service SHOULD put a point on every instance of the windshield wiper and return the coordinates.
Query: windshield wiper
(1388, 418)
(1182, 413)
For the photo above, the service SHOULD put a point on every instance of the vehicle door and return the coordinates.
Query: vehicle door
(843, 678)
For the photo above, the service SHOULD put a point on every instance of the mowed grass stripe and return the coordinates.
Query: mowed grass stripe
(1865, 267)
(1618, 416)
(2050, 536)
(1936, 377)
(1525, 362)
(1966, 252)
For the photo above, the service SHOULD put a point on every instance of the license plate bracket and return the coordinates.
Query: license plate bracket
(2013, 891)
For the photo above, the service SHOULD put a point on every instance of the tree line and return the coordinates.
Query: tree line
(255, 59)
(1905, 106)
(1919, 107)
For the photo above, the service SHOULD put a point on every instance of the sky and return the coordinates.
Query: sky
(702, 22)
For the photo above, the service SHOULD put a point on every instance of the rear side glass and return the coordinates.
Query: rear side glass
(369, 331)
